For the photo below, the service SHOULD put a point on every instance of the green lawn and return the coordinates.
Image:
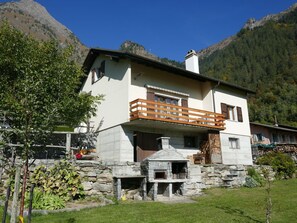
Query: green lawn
(218, 205)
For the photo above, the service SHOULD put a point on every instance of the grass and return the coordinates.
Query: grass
(217, 205)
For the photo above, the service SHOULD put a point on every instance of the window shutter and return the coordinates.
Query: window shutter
(101, 69)
(224, 110)
(150, 96)
(239, 114)
(93, 73)
(98, 72)
(184, 103)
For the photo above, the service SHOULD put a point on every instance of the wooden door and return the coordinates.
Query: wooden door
(145, 145)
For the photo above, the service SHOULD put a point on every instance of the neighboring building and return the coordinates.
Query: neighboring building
(145, 99)
(273, 137)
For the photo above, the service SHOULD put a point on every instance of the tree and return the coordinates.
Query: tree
(39, 90)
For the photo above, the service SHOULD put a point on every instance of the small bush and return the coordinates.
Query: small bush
(45, 201)
(256, 176)
(251, 182)
(61, 180)
(282, 164)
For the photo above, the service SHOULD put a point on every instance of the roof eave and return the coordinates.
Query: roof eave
(95, 52)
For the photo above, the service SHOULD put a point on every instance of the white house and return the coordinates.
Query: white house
(145, 99)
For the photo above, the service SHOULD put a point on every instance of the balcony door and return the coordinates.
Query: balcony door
(166, 110)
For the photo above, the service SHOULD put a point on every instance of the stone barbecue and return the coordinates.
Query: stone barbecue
(166, 171)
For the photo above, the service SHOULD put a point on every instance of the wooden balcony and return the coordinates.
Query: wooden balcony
(150, 110)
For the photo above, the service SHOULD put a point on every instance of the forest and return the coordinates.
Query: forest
(263, 59)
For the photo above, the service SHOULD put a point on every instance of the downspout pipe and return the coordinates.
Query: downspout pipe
(213, 97)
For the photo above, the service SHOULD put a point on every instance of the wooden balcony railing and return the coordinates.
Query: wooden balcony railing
(151, 110)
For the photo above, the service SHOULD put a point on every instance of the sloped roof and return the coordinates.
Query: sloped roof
(117, 55)
(167, 154)
(278, 127)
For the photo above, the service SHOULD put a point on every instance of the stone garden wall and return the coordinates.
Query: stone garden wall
(98, 177)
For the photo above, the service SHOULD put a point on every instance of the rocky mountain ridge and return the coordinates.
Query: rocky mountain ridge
(33, 19)
(136, 48)
(252, 23)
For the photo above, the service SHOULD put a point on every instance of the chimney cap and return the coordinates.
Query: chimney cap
(190, 53)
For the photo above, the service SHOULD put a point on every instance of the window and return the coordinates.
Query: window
(189, 141)
(233, 143)
(171, 111)
(231, 112)
(283, 138)
(292, 139)
(259, 137)
(98, 73)
(166, 100)
(275, 137)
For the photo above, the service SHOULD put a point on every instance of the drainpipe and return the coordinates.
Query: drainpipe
(213, 97)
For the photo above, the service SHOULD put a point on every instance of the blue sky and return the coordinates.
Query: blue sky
(167, 28)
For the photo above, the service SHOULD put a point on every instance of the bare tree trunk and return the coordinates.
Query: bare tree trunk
(22, 202)
(268, 202)
(30, 203)
(14, 208)
(265, 172)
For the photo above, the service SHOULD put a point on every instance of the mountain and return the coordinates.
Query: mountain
(136, 48)
(263, 57)
(33, 19)
(250, 24)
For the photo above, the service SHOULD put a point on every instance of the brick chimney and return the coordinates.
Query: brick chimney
(191, 61)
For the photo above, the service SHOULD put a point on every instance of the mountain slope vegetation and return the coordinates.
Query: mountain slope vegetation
(33, 19)
(263, 59)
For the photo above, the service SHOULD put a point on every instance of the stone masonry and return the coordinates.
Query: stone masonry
(98, 178)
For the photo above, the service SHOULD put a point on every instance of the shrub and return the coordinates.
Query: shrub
(61, 180)
(282, 164)
(254, 179)
(45, 201)
(251, 182)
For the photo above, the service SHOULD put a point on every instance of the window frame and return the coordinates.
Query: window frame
(98, 73)
(233, 140)
(232, 112)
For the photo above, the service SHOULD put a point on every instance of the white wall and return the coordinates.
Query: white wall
(236, 156)
(142, 75)
(234, 129)
(114, 109)
(207, 96)
(234, 99)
